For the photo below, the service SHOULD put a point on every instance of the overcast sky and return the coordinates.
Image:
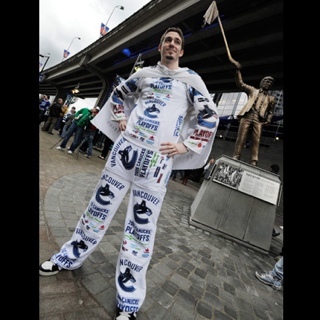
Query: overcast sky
(62, 22)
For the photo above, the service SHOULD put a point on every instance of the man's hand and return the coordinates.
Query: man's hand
(171, 149)
(122, 125)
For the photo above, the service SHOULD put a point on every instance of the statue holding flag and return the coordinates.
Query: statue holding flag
(258, 111)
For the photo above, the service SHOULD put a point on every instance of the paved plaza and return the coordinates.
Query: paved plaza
(193, 274)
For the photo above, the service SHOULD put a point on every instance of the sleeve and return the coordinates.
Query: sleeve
(120, 96)
(78, 114)
(238, 79)
(206, 121)
(243, 86)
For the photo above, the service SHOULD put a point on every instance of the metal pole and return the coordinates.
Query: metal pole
(137, 62)
(45, 61)
(71, 44)
(118, 6)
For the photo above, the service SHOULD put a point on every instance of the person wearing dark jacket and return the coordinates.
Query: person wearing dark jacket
(54, 114)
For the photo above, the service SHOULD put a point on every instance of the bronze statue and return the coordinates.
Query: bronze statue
(256, 113)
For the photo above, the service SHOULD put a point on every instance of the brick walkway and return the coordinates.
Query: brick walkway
(206, 278)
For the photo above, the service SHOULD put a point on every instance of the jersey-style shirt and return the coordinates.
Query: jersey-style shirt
(44, 105)
(159, 109)
(83, 117)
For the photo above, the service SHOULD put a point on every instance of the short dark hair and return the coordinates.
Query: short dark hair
(174, 29)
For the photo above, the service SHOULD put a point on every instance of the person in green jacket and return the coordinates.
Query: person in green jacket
(81, 120)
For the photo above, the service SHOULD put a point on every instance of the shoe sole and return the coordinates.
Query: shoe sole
(115, 318)
(48, 273)
(131, 316)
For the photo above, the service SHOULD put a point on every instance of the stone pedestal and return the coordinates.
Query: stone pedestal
(238, 201)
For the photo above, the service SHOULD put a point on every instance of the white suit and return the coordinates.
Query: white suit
(155, 107)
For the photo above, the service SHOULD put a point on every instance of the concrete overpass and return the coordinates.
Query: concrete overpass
(253, 28)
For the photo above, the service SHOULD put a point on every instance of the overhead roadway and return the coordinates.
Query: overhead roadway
(253, 29)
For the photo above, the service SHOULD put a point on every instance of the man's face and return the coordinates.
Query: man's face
(170, 48)
(266, 83)
(94, 111)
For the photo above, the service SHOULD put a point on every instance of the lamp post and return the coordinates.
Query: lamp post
(47, 58)
(118, 6)
(71, 44)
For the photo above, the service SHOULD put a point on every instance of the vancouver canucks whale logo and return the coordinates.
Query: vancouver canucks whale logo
(141, 209)
(77, 246)
(104, 192)
(205, 114)
(128, 163)
(124, 278)
(152, 112)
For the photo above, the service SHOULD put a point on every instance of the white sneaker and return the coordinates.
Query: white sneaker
(122, 315)
(269, 279)
(59, 148)
(48, 268)
(70, 152)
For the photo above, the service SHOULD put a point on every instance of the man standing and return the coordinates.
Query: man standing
(81, 120)
(87, 142)
(68, 118)
(255, 114)
(54, 114)
(161, 114)
(44, 104)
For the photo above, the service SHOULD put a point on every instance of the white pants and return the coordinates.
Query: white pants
(147, 173)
